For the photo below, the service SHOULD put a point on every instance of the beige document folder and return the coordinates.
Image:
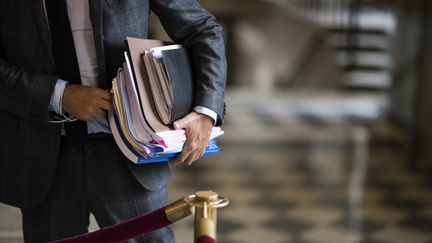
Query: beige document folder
(137, 48)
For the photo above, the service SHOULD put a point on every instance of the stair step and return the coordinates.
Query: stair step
(345, 30)
(362, 40)
(364, 58)
(371, 68)
(361, 49)
(368, 79)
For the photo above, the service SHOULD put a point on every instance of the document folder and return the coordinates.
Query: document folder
(179, 71)
(154, 88)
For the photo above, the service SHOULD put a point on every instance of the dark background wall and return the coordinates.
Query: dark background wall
(411, 99)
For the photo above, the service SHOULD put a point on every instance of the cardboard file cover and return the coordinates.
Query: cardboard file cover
(179, 70)
(136, 48)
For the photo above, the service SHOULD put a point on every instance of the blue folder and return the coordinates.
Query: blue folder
(211, 148)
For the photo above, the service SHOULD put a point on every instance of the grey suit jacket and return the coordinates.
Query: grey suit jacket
(29, 145)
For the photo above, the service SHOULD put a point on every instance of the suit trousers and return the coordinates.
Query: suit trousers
(92, 179)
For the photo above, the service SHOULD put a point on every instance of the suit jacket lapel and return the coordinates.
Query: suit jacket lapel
(38, 10)
(96, 8)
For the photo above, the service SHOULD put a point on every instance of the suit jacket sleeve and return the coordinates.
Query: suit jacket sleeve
(186, 22)
(24, 93)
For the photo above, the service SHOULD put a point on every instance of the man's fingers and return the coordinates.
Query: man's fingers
(183, 122)
(188, 149)
(191, 152)
(180, 158)
(90, 116)
(187, 157)
(200, 154)
(198, 131)
(179, 124)
(183, 155)
(105, 105)
(86, 102)
(193, 157)
(105, 95)
(190, 159)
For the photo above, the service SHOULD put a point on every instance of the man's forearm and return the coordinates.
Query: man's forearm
(186, 22)
(24, 93)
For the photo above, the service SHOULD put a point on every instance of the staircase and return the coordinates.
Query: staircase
(362, 33)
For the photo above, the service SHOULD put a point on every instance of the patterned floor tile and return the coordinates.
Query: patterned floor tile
(373, 241)
(416, 193)
(227, 240)
(397, 234)
(246, 215)
(317, 215)
(372, 196)
(359, 225)
(299, 195)
(384, 214)
(262, 186)
(294, 226)
(400, 175)
(303, 241)
(226, 226)
(259, 235)
(417, 222)
(401, 203)
(200, 184)
(183, 231)
(426, 211)
(240, 196)
(228, 179)
(331, 235)
(333, 202)
(273, 204)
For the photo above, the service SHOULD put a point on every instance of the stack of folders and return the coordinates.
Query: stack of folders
(153, 89)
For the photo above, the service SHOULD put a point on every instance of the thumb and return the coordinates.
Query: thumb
(180, 123)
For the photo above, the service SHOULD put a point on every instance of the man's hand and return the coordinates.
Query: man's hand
(86, 102)
(198, 130)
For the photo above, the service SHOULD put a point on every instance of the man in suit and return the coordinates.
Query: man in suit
(58, 173)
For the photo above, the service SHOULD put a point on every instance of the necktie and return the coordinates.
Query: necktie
(65, 59)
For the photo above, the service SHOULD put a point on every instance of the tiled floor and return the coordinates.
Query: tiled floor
(309, 178)
(302, 178)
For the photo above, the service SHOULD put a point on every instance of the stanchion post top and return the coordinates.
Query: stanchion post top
(207, 196)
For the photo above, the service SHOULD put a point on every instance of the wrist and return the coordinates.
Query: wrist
(57, 96)
(207, 120)
(206, 111)
(61, 100)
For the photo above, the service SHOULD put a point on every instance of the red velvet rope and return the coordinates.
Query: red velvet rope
(126, 230)
(205, 239)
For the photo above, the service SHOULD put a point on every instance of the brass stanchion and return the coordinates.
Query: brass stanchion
(178, 210)
(206, 204)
